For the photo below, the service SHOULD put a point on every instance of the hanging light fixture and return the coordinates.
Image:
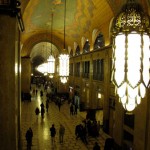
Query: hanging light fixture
(42, 68)
(131, 45)
(45, 63)
(64, 58)
(51, 59)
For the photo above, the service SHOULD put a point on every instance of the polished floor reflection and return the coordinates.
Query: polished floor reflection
(41, 134)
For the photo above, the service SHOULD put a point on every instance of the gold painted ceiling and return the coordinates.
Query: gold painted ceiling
(84, 20)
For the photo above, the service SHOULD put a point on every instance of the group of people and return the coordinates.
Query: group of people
(37, 110)
(80, 132)
(88, 128)
(92, 127)
(73, 109)
(58, 102)
(53, 133)
(29, 135)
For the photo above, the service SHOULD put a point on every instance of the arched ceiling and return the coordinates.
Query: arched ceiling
(44, 50)
(82, 17)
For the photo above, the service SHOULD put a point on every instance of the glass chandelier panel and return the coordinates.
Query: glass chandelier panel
(131, 53)
(45, 69)
(64, 67)
(51, 59)
(51, 64)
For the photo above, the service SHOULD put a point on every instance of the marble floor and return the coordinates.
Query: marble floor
(41, 134)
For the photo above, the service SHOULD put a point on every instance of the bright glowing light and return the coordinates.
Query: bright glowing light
(63, 80)
(42, 68)
(130, 79)
(131, 53)
(99, 95)
(51, 76)
(51, 65)
(64, 67)
(16, 68)
(120, 59)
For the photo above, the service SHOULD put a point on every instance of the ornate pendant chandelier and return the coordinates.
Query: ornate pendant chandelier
(51, 59)
(131, 53)
(64, 58)
(51, 66)
(45, 63)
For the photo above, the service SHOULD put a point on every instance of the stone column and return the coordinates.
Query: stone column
(25, 74)
(9, 83)
(106, 92)
(118, 124)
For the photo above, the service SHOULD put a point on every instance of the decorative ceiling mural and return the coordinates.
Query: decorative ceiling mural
(82, 17)
(41, 17)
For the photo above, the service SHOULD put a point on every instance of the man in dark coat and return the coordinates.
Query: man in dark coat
(52, 133)
(29, 135)
(96, 146)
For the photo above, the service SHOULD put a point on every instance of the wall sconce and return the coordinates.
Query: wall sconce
(99, 95)
(86, 84)
(83, 89)
(131, 43)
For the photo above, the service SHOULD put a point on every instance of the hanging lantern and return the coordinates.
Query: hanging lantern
(46, 69)
(64, 67)
(51, 65)
(64, 58)
(51, 59)
(131, 45)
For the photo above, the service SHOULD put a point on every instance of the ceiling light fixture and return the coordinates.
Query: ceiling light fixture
(41, 68)
(45, 63)
(131, 53)
(64, 57)
(51, 59)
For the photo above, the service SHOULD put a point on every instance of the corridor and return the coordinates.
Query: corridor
(41, 134)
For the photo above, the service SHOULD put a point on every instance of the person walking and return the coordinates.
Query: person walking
(29, 135)
(41, 93)
(96, 146)
(42, 110)
(78, 131)
(59, 104)
(98, 127)
(109, 144)
(61, 133)
(52, 133)
(75, 109)
(36, 91)
(42, 105)
(71, 109)
(47, 105)
(37, 111)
